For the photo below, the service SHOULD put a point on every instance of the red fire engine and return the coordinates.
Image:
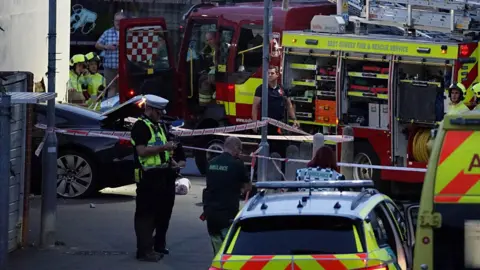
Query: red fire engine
(147, 65)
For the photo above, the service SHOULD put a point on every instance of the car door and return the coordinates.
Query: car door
(146, 64)
(388, 236)
(403, 229)
(411, 215)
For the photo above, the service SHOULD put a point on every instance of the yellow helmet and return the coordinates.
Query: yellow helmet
(91, 56)
(457, 86)
(476, 90)
(77, 58)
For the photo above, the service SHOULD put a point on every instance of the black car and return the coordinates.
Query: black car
(85, 164)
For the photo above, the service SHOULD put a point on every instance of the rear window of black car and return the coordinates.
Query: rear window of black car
(292, 235)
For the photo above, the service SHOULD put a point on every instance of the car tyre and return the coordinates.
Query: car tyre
(365, 155)
(202, 158)
(76, 175)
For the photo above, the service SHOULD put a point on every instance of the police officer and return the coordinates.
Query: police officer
(456, 93)
(155, 175)
(226, 178)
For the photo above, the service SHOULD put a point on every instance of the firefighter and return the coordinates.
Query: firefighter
(95, 81)
(226, 179)
(456, 93)
(155, 169)
(278, 103)
(206, 92)
(77, 84)
(476, 90)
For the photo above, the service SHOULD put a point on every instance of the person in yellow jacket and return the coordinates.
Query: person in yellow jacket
(77, 84)
(457, 93)
(206, 93)
(95, 81)
(476, 90)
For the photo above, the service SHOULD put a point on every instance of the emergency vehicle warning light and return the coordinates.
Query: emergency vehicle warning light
(315, 184)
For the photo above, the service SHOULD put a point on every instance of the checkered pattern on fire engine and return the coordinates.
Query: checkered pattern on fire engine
(142, 45)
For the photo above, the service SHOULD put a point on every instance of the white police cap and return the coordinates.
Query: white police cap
(156, 102)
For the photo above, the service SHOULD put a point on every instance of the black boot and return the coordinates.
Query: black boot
(163, 251)
(149, 257)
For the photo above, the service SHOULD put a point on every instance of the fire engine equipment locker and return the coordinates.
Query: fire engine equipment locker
(374, 115)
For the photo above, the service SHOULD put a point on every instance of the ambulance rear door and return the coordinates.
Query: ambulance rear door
(456, 209)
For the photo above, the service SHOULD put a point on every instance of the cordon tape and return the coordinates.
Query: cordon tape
(228, 131)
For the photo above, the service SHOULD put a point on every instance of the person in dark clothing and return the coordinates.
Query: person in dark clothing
(226, 179)
(155, 175)
(278, 104)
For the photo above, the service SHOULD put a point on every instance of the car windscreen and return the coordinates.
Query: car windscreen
(291, 235)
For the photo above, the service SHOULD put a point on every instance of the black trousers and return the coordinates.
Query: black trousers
(154, 205)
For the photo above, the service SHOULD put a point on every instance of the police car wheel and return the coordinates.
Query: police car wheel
(75, 175)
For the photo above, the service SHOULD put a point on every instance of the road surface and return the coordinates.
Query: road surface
(97, 234)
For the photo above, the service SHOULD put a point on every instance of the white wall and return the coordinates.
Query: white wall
(24, 43)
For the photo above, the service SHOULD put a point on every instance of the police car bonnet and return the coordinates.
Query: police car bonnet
(156, 102)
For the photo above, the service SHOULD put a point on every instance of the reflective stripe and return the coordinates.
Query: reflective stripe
(306, 262)
(358, 242)
(458, 169)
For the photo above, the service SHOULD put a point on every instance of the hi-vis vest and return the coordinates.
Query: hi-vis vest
(158, 138)
(75, 81)
(457, 108)
(94, 81)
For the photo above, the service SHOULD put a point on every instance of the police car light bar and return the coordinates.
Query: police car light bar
(316, 184)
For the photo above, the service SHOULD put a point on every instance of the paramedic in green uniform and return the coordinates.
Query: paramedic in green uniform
(155, 169)
(226, 179)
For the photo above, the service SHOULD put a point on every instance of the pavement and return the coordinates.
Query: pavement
(97, 234)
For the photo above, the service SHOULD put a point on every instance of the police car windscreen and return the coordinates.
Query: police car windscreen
(292, 235)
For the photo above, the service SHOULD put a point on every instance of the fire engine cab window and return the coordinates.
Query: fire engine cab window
(198, 46)
(249, 49)
(147, 48)
(292, 235)
(226, 36)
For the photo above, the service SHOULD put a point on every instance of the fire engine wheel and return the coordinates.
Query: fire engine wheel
(365, 155)
(202, 158)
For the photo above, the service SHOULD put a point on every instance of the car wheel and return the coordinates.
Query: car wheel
(202, 158)
(365, 155)
(76, 175)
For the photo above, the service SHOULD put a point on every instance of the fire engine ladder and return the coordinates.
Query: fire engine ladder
(446, 16)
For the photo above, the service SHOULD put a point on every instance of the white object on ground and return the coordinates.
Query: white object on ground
(182, 186)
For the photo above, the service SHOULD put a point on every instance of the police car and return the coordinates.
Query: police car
(335, 229)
